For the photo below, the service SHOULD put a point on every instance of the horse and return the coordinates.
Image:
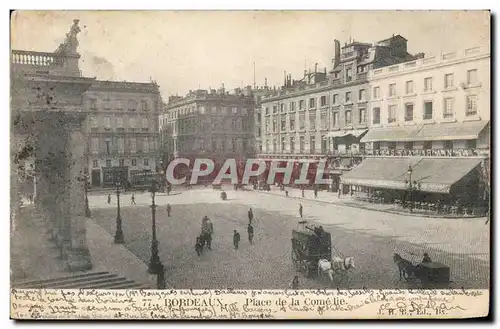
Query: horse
(334, 268)
(406, 268)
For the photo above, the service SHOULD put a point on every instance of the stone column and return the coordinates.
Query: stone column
(79, 258)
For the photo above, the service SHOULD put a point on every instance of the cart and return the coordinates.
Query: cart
(309, 245)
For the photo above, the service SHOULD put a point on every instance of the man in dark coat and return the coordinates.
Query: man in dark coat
(300, 210)
(198, 246)
(109, 198)
(236, 239)
(250, 216)
(250, 233)
(426, 258)
(169, 209)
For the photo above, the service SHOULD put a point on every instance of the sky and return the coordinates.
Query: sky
(187, 50)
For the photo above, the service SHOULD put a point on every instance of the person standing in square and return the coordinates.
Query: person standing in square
(300, 210)
(236, 239)
(250, 233)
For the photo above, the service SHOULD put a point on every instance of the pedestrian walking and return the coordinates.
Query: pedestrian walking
(300, 210)
(339, 192)
(286, 192)
(169, 209)
(250, 216)
(132, 199)
(315, 193)
(109, 198)
(303, 193)
(236, 239)
(250, 233)
(295, 283)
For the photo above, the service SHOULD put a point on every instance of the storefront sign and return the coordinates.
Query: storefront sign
(427, 152)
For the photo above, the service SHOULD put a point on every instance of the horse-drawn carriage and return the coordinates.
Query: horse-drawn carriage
(430, 274)
(312, 254)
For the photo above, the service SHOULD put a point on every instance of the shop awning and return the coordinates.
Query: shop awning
(342, 133)
(433, 174)
(451, 131)
(428, 132)
(390, 134)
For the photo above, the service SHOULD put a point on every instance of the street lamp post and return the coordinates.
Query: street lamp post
(87, 209)
(155, 265)
(119, 239)
(410, 172)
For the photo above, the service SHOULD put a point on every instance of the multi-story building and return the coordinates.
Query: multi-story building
(122, 128)
(209, 124)
(325, 114)
(433, 114)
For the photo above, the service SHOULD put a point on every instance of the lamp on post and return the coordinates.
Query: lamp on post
(410, 172)
(155, 263)
(119, 239)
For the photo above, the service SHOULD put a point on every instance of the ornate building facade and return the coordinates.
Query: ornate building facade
(209, 124)
(122, 130)
(433, 115)
(327, 114)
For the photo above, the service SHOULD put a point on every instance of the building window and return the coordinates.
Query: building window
(376, 92)
(95, 163)
(335, 118)
(391, 145)
(362, 93)
(302, 121)
(428, 84)
(312, 103)
(324, 120)
(348, 117)
(132, 105)
(274, 145)
(408, 145)
(107, 122)
(93, 121)
(392, 114)
(292, 106)
(312, 144)
(275, 125)
(335, 99)
(448, 108)
(428, 110)
(121, 145)
(275, 109)
(134, 162)
(448, 80)
(302, 144)
(145, 124)
(94, 145)
(392, 90)
(108, 147)
(267, 111)
(376, 145)
(235, 110)
(409, 87)
(428, 145)
(233, 144)
(376, 115)
(362, 116)
(234, 124)
(283, 124)
(282, 108)
(348, 74)
(283, 144)
(348, 97)
(119, 122)
(292, 144)
(312, 121)
(108, 163)
(121, 162)
(448, 145)
(471, 105)
(145, 145)
(292, 124)
(301, 104)
(93, 104)
(133, 145)
(409, 112)
(471, 77)
(323, 100)
(144, 105)
(471, 143)
(146, 162)
(131, 123)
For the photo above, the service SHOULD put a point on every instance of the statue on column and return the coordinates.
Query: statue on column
(70, 44)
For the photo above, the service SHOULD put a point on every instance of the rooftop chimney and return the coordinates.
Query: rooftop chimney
(315, 68)
(336, 59)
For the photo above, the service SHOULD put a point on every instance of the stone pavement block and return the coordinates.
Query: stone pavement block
(115, 258)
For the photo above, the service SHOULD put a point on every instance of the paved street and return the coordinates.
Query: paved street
(370, 237)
